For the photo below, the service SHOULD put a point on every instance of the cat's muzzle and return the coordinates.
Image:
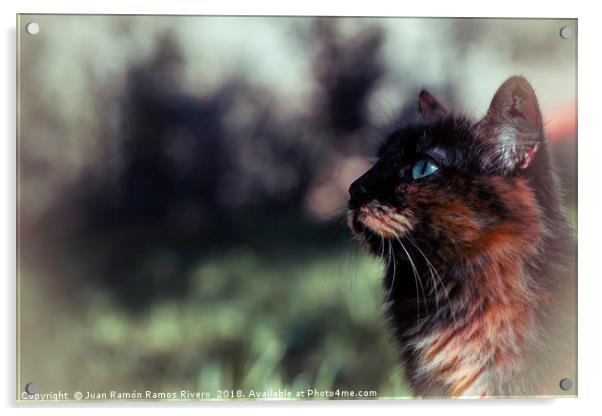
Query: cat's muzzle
(382, 220)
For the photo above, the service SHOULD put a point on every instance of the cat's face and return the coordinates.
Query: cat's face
(450, 184)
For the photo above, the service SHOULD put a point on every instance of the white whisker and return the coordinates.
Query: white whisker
(391, 257)
(416, 279)
(436, 274)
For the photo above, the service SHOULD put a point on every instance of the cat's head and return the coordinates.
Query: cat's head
(451, 183)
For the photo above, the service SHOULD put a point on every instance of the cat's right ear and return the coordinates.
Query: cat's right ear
(428, 106)
(513, 124)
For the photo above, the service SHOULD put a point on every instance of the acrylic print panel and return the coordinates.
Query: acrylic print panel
(244, 208)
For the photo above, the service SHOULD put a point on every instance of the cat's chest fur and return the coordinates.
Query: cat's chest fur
(469, 344)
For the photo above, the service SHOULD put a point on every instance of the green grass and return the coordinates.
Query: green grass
(250, 321)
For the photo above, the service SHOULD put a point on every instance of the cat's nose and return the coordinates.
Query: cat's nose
(358, 191)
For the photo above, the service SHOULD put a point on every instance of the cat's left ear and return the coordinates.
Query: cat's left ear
(428, 105)
(514, 124)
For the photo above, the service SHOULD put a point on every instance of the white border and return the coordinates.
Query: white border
(590, 151)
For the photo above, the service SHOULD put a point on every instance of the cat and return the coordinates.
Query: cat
(467, 219)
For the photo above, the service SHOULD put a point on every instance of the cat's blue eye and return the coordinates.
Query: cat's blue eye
(424, 167)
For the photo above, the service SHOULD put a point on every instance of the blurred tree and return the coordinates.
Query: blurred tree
(218, 169)
(347, 69)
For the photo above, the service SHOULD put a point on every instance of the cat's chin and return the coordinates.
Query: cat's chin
(380, 220)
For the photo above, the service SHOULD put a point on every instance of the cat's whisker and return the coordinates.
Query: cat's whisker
(431, 270)
(437, 275)
(416, 277)
(391, 257)
(425, 299)
(415, 283)
(382, 245)
(434, 282)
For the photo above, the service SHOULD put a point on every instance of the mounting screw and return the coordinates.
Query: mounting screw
(566, 32)
(31, 388)
(566, 384)
(32, 28)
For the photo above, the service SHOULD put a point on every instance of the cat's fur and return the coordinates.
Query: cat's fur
(473, 253)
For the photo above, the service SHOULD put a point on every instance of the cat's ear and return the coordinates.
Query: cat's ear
(428, 105)
(513, 122)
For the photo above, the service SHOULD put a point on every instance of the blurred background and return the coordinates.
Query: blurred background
(183, 183)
